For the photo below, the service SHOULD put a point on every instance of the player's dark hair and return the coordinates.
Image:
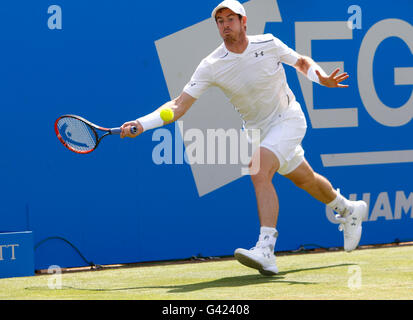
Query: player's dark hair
(239, 15)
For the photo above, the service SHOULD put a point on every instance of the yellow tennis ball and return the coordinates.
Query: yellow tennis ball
(167, 114)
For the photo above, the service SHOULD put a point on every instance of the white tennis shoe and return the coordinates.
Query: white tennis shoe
(350, 224)
(259, 257)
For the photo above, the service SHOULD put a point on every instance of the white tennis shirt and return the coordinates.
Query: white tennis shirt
(254, 81)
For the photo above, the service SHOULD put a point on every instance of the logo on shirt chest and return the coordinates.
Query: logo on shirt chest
(257, 54)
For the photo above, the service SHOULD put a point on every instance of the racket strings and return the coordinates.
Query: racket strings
(77, 135)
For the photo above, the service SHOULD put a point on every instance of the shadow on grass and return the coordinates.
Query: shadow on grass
(227, 282)
(241, 281)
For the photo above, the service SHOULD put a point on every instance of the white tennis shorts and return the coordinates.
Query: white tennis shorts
(284, 138)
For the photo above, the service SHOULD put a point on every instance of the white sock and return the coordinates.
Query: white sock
(268, 236)
(340, 204)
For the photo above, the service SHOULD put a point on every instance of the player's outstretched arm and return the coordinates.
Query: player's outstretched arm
(314, 72)
(179, 106)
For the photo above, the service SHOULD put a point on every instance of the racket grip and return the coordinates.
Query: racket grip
(133, 130)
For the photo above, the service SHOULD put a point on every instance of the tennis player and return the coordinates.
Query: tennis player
(249, 70)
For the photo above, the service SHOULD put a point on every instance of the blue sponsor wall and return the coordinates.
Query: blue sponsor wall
(116, 205)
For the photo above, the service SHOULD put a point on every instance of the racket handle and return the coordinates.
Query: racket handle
(133, 130)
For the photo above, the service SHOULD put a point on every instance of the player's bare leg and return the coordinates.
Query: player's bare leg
(316, 185)
(350, 213)
(261, 257)
(267, 199)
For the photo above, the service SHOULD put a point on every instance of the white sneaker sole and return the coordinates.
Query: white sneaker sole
(247, 259)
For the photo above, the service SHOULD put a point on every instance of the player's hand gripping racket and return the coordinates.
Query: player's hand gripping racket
(80, 135)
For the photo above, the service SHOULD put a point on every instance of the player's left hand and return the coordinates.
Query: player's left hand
(333, 80)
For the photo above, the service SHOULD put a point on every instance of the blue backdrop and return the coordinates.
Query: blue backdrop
(103, 64)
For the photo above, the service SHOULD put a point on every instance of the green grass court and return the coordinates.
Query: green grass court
(374, 273)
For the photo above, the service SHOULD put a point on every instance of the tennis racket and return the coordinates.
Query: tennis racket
(80, 135)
